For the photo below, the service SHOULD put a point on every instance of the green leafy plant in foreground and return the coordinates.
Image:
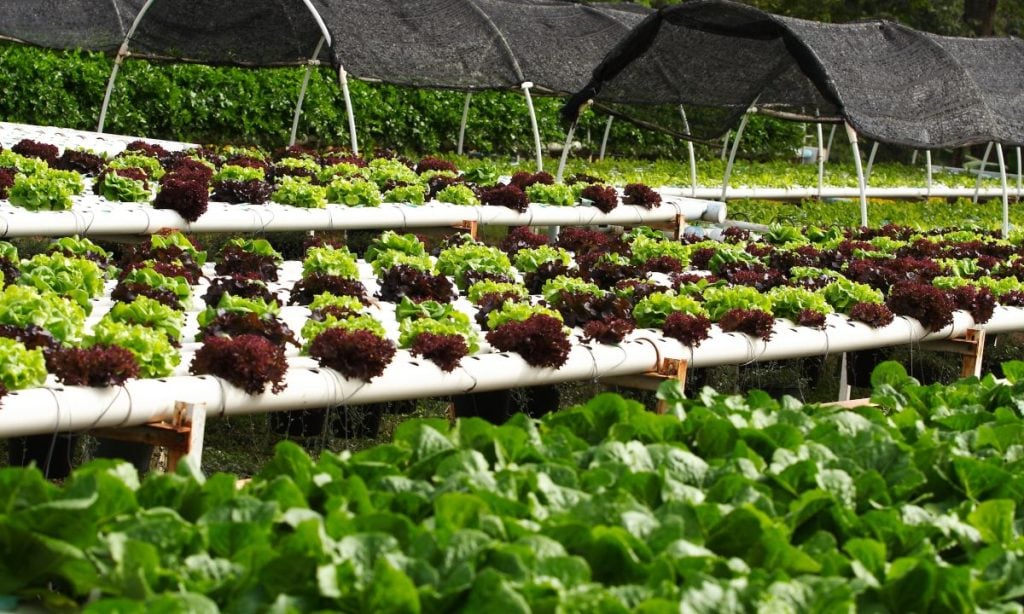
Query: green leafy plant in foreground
(725, 503)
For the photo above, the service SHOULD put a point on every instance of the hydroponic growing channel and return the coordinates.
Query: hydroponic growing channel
(400, 323)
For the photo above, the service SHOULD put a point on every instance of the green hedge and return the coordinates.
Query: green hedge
(211, 105)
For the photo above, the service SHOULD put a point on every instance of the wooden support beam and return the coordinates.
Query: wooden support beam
(971, 347)
(182, 437)
(667, 369)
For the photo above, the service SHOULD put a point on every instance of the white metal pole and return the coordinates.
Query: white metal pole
(928, 171)
(981, 169)
(913, 158)
(691, 154)
(862, 185)
(462, 124)
(343, 79)
(533, 125)
(110, 90)
(1006, 192)
(565, 151)
(821, 159)
(871, 161)
(302, 91)
(844, 380)
(732, 155)
(1020, 175)
(121, 54)
(725, 144)
(831, 136)
(604, 139)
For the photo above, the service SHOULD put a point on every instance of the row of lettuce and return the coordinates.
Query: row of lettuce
(526, 295)
(726, 504)
(38, 176)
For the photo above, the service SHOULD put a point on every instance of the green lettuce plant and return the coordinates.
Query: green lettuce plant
(149, 312)
(76, 278)
(557, 194)
(652, 310)
(151, 347)
(718, 300)
(458, 194)
(529, 260)
(330, 261)
(299, 193)
(45, 191)
(354, 193)
(20, 367)
(24, 305)
(124, 189)
(413, 194)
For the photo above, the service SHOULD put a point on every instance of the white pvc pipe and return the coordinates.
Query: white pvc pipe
(981, 172)
(871, 161)
(75, 408)
(928, 171)
(690, 153)
(831, 136)
(565, 151)
(110, 90)
(1020, 175)
(343, 79)
(94, 217)
(732, 155)
(604, 139)
(861, 183)
(821, 160)
(913, 158)
(122, 52)
(533, 126)
(805, 192)
(725, 144)
(302, 92)
(1006, 192)
(462, 124)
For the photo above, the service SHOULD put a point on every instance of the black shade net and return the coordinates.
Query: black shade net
(719, 58)
(455, 44)
(997, 67)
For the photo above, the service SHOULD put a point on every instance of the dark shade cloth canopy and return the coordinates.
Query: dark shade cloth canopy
(475, 44)
(249, 33)
(454, 44)
(720, 58)
(997, 67)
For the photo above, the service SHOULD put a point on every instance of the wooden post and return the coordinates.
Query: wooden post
(667, 369)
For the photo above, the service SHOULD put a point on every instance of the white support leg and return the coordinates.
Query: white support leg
(725, 144)
(302, 91)
(861, 183)
(1006, 191)
(831, 137)
(732, 156)
(604, 139)
(1020, 176)
(691, 154)
(462, 124)
(871, 161)
(821, 159)
(981, 170)
(343, 79)
(844, 381)
(928, 171)
(533, 125)
(565, 152)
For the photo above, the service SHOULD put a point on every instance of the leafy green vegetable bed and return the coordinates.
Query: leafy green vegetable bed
(727, 504)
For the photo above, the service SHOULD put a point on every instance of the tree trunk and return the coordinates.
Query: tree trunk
(980, 16)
